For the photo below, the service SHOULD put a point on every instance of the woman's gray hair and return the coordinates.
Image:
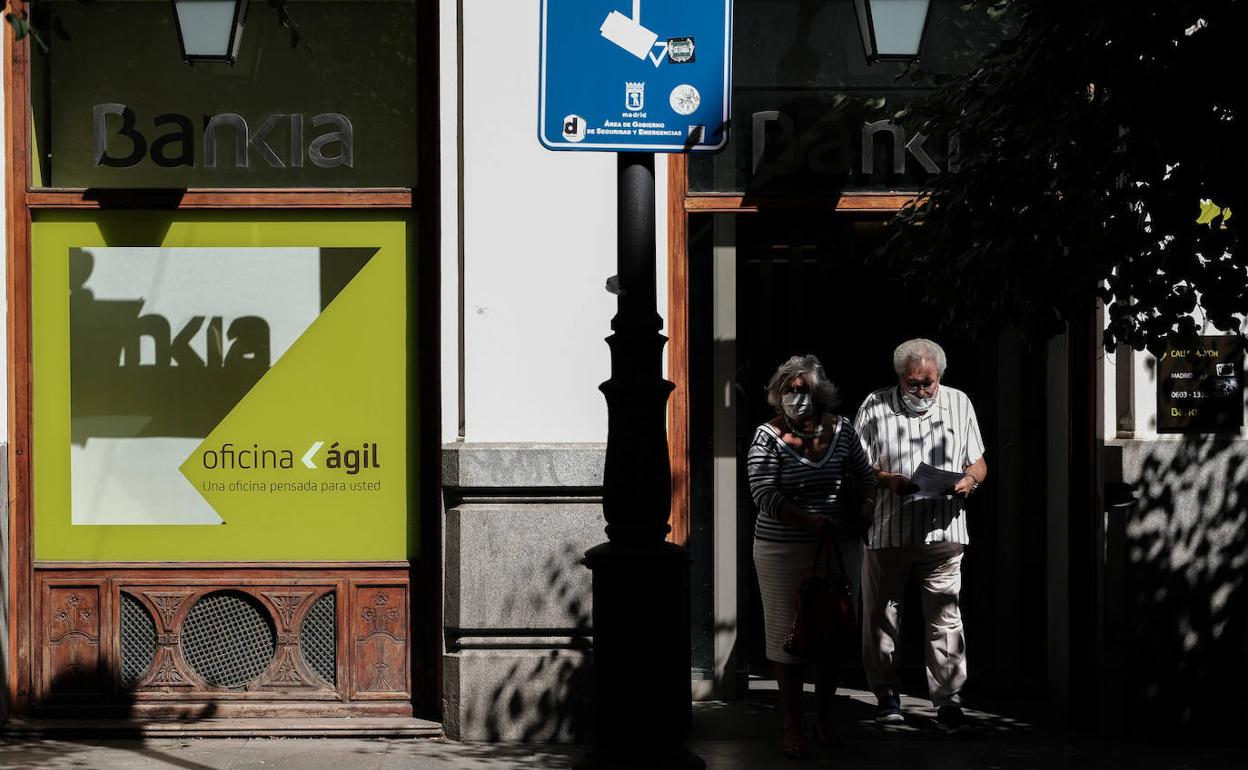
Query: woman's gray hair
(919, 350)
(826, 396)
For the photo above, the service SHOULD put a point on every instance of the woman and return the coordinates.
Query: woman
(802, 465)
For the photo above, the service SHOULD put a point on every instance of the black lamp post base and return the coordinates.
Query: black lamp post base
(641, 657)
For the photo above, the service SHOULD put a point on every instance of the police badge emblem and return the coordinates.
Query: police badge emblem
(685, 99)
(680, 50)
(635, 96)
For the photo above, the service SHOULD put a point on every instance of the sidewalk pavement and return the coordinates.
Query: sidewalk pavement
(728, 735)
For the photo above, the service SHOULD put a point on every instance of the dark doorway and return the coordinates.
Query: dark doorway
(809, 282)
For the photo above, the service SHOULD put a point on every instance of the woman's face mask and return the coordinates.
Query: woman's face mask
(797, 406)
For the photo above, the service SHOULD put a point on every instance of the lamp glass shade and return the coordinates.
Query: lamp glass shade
(892, 29)
(210, 30)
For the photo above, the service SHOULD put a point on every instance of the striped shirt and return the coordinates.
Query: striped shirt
(778, 472)
(897, 440)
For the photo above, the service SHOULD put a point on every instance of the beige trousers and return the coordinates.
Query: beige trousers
(885, 571)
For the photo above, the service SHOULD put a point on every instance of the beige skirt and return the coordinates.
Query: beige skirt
(780, 568)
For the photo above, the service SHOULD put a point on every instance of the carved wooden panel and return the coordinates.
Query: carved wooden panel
(83, 632)
(169, 669)
(379, 635)
(288, 668)
(72, 662)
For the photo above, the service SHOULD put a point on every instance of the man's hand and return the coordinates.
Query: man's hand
(975, 473)
(901, 484)
(965, 485)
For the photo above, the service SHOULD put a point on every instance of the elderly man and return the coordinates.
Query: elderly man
(917, 421)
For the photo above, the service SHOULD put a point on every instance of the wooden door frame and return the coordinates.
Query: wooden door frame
(425, 568)
(17, 286)
(680, 204)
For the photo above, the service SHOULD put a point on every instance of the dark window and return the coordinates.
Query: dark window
(334, 105)
(801, 101)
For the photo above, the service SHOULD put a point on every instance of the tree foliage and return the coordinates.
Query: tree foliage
(1102, 155)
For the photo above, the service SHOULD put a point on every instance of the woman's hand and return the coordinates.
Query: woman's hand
(792, 515)
(866, 517)
(820, 525)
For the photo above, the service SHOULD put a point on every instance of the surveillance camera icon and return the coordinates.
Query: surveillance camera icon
(628, 33)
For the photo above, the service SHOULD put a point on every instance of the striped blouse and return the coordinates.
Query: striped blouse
(779, 472)
(898, 440)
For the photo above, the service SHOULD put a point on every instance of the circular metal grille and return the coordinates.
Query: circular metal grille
(316, 638)
(228, 639)
(138, 639)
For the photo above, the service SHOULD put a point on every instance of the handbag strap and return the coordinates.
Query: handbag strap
(823, 543)
(827, 539)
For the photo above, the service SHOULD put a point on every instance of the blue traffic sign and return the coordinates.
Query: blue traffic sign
(635, 75)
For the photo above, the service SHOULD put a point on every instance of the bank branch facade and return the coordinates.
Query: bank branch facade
(303, 355)
(214, 361)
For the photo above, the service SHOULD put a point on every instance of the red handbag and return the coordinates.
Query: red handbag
(823, 620)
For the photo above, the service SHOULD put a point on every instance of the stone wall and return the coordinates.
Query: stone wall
(518, 519)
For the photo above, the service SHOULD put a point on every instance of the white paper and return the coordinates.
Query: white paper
(933, 484)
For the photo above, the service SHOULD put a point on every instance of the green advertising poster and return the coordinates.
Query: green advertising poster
(215, 386)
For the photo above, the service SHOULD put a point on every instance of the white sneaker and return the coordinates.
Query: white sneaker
(888, 712)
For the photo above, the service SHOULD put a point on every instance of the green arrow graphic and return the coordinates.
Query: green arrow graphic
(341, 386)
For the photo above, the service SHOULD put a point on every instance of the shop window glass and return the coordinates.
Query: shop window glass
(218, 386)
(800, 86)
(333, 104)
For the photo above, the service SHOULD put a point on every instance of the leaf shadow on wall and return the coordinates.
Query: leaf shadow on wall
(1177, 611)
(546, 698)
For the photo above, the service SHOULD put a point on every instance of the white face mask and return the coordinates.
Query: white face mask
(797, 406)
(917, 403)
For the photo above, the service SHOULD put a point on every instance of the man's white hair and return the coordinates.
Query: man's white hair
(919, 350)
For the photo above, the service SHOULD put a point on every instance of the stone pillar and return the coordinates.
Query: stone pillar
(517, 600)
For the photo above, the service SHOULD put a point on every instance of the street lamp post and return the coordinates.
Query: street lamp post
(209, 30)
(892, 30)
(640, 581)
